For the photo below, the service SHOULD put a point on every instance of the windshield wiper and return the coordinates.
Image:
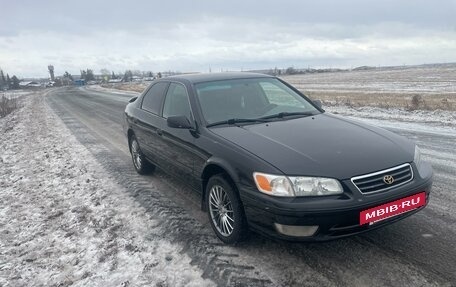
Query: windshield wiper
(262, 119)
(236, 121)
(287, 114)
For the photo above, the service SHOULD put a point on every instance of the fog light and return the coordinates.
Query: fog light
(296, 230)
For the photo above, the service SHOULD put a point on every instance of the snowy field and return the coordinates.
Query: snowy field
(439, 122)
(129, 86)
(427, 79)
(99, 88)
(63, 220)
(434, 87)
(12, 94)
(383, 87)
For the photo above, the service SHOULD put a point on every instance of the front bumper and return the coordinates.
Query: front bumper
(336, 216)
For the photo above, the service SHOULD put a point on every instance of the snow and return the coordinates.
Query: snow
(432, 122)
(99, 88)
(427, 87)
(12, 94)
(428, 79)
(65, 222)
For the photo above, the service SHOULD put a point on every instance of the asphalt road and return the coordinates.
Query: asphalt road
(417, 251)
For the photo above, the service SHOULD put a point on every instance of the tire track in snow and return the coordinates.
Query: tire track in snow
(220, 263)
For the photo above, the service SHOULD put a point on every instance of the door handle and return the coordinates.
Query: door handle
(159, 132)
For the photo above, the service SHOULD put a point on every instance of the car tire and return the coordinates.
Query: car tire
(225, 210)
(141, 164)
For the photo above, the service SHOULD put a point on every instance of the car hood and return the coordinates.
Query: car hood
(321, 145)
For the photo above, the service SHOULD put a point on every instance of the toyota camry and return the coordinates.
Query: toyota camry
(265, 157)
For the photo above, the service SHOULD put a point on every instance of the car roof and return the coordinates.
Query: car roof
(209, 77)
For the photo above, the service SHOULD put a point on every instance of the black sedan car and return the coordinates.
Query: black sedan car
(263, 156)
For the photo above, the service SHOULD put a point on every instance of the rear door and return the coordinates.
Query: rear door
(148, 120)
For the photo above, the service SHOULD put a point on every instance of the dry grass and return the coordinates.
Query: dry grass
(7, 106)
(386, 100)
(132, 86)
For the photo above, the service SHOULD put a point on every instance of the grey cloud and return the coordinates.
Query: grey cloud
(193, 35)
(84, 15)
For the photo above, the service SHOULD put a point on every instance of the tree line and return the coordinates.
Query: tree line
(107, 75)
(7, 81)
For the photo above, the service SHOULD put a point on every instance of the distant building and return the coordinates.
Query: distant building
(79, 82)
(29, 84)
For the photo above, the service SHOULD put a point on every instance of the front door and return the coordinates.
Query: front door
(178, 145)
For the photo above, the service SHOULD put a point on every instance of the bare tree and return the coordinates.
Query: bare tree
(2, 79)
(14, 82)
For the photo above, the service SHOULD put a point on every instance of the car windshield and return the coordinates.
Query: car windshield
(256, 98)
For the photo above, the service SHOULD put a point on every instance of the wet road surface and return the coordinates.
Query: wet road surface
(417, 251)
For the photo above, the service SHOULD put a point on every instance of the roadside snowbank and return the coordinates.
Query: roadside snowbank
(438, 121)
(99, 88)
(446, 118)
(12, 94)
(63, 220)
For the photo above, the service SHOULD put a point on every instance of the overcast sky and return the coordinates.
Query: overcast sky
(230, 35)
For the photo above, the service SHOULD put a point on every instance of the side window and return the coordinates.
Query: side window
(176, 102)
(153, 99)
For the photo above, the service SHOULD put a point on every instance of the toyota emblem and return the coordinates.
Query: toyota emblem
(388, 179)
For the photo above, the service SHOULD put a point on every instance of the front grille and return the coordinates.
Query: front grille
(374, 182)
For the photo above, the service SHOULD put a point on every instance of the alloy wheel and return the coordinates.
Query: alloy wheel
(136, 154)
(221, 210)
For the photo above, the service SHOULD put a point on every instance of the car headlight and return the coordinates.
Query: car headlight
(279, 185)
(417, 156)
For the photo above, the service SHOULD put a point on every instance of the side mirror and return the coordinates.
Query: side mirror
(179, 122)
(132, 99)
(317, 103)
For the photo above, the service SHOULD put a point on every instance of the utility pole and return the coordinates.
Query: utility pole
(51, 72)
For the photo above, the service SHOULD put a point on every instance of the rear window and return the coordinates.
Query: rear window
(153, 100)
